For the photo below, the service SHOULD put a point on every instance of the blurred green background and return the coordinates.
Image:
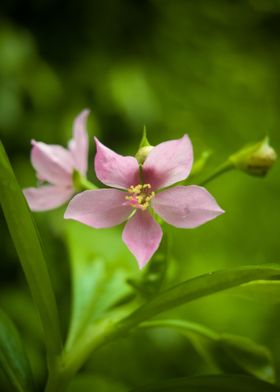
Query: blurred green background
(207, 68)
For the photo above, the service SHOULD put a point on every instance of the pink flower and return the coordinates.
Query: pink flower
(137, 191)
(55, 165)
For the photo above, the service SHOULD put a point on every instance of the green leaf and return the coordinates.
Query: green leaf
(27, 243)
(198, 287)
(230, 353)
(250, 357)
(98, 275)
(267, 291)
(180, 294)
(223, 383)
(13, 358)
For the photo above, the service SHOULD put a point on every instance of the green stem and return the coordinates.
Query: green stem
(85, 184)
(81, 183)
(225, 167)
(182, 326)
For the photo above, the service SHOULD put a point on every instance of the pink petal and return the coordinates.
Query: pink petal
(186, 206)
(142, 235)
(79, 144)
(52, 163)
(168, 163)
(99, 208)
(115, 170)
(47, 197)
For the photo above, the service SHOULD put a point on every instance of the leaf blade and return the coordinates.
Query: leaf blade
(198, 287)
(28, 246)
(227, 352)
(180, 294)
(13, 357)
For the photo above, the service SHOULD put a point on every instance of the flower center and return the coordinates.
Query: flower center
(140, 196)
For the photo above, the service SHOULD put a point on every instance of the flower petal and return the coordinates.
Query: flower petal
(99, 208)
(142, 235)
(115, 170)
(168, 163)
(79, 144)
(52, 163)
(186, 206)
(47, 197)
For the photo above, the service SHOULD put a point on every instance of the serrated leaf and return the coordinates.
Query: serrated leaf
(223, 383)
(13, 358)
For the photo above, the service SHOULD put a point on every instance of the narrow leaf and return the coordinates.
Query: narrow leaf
(98, 276)
(13, 358)
(180, 294)
(27, 243)
(229, 353)
(199, 287)
(266, 291)
(252, 358)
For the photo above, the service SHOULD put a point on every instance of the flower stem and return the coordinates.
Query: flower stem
(225, 167)
(85, 184)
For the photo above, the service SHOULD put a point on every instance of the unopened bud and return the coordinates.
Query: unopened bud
(144, 148)
(142, 153)
(255, 160)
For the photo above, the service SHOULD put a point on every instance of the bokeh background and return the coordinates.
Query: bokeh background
(207, 68)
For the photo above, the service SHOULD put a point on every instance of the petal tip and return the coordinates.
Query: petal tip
(34, 143)
(97, 142)
(84, 113)
(142, 235)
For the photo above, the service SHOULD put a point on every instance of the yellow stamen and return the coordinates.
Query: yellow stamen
(140, 196)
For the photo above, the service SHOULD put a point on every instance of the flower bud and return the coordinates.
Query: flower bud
(142, 153)
(255, 160)
(144, 148)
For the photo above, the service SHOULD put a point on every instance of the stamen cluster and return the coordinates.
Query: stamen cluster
(140, 196)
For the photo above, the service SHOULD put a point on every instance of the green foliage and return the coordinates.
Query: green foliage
(117, 324)
(200, 286)
(26, 240)
(229, 353)
(13, 359)
(262, 291)
(98, 276)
